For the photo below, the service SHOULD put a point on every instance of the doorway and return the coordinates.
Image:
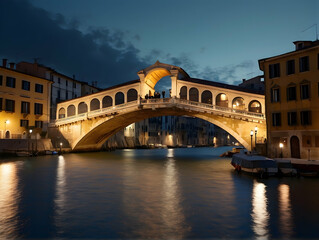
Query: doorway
(294, 147)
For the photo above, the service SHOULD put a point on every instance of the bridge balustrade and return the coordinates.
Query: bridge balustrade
(147, 102)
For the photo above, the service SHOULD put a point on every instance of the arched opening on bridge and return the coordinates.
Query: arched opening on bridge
(71, 110)
(94, 104)
(61, 113)
(82, 108)
(119, 98)
(238, 103)
(107, 101)
(131, 95)
(7, 134)
(155, 75)
(183, 93)
(193, 95)
(254, 106)
(207, 97)
(222, 100)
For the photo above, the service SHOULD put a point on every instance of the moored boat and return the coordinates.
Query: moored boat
(254, 164)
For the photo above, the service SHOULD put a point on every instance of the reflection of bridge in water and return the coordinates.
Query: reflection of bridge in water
(87, 122)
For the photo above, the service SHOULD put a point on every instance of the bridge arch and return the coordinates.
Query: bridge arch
(82, 108)
(255, 106)
(119, 98)
(207, 97)
(107, 101)
(132, 95)
(183, 93)
(94, 104)
(193, 94)
(61, 113)
(238, 103)
(222, 100)
(71, 111)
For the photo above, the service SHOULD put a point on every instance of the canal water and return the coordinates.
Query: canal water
(159, 193)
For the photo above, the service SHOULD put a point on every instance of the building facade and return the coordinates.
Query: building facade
(63, 87)
(292, 101)
(24, 104)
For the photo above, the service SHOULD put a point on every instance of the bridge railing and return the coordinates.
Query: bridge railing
(158, 101)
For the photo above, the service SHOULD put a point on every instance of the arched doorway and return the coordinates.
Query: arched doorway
(7, 135)
(295, 147)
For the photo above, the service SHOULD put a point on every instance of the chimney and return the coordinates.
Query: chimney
(4, 62)
(11, 65)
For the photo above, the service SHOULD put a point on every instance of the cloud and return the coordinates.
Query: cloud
(99, 54)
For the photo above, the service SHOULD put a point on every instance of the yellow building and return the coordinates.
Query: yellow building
(24, 104)
(292, 101)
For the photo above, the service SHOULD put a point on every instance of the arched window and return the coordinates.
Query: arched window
(238, 103)
(82, 108)
(207, 97)
(94, 104)
(254, 106)
(131, 95)
(7, 134)
(71, 110)
(61, 113)
(119, 98)
(107, 101)
(193, 94)
(183, 93)
(222, 100)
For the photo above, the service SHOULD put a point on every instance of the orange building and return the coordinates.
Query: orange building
(24, 104)
(292, 101)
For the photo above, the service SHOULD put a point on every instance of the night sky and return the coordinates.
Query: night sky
(110, 41)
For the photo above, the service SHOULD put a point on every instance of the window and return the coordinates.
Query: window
(66, 82)
(24, 123)
(59, 94)
(290, 67)
(39, 88)
(11, 82)
(74, 85)
(304, 91)
(38, 108)
(59, 80)
(304, 64)
(291, 93)
(274, 70)
(66, 95)
(305, 117)
(276, 119)
(25, 107)
(292, 118)
(275, 95)
(25, 85)
(0, 104)
(9, 105)
(1, 80)
(38, 124)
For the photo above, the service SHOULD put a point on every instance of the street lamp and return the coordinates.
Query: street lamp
(61, 147)
(256, 137)
(281, 145)
(251, 139)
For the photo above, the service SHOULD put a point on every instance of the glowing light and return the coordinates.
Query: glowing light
(61, 144)
(260, 215)
(7, 121)
(281, 145)
(30, 131)
(170, 152)
(256, 129)
(251, 132)
(285, 211)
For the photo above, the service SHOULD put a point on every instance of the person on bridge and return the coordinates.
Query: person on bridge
(163, 94)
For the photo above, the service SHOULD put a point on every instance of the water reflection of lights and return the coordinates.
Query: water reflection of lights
(8, 200)
(260, 215)
(60, 186)
(170, 152)
(285, 211)
(128, 152)
(172, 211)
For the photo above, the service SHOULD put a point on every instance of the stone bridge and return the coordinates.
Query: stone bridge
(87, 122)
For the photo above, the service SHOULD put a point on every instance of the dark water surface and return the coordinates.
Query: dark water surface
(160, 193)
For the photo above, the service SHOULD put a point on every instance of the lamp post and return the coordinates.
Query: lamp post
(30, 132)
(61, 147)
(256, 138)
(281, 145)
(251, 139)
